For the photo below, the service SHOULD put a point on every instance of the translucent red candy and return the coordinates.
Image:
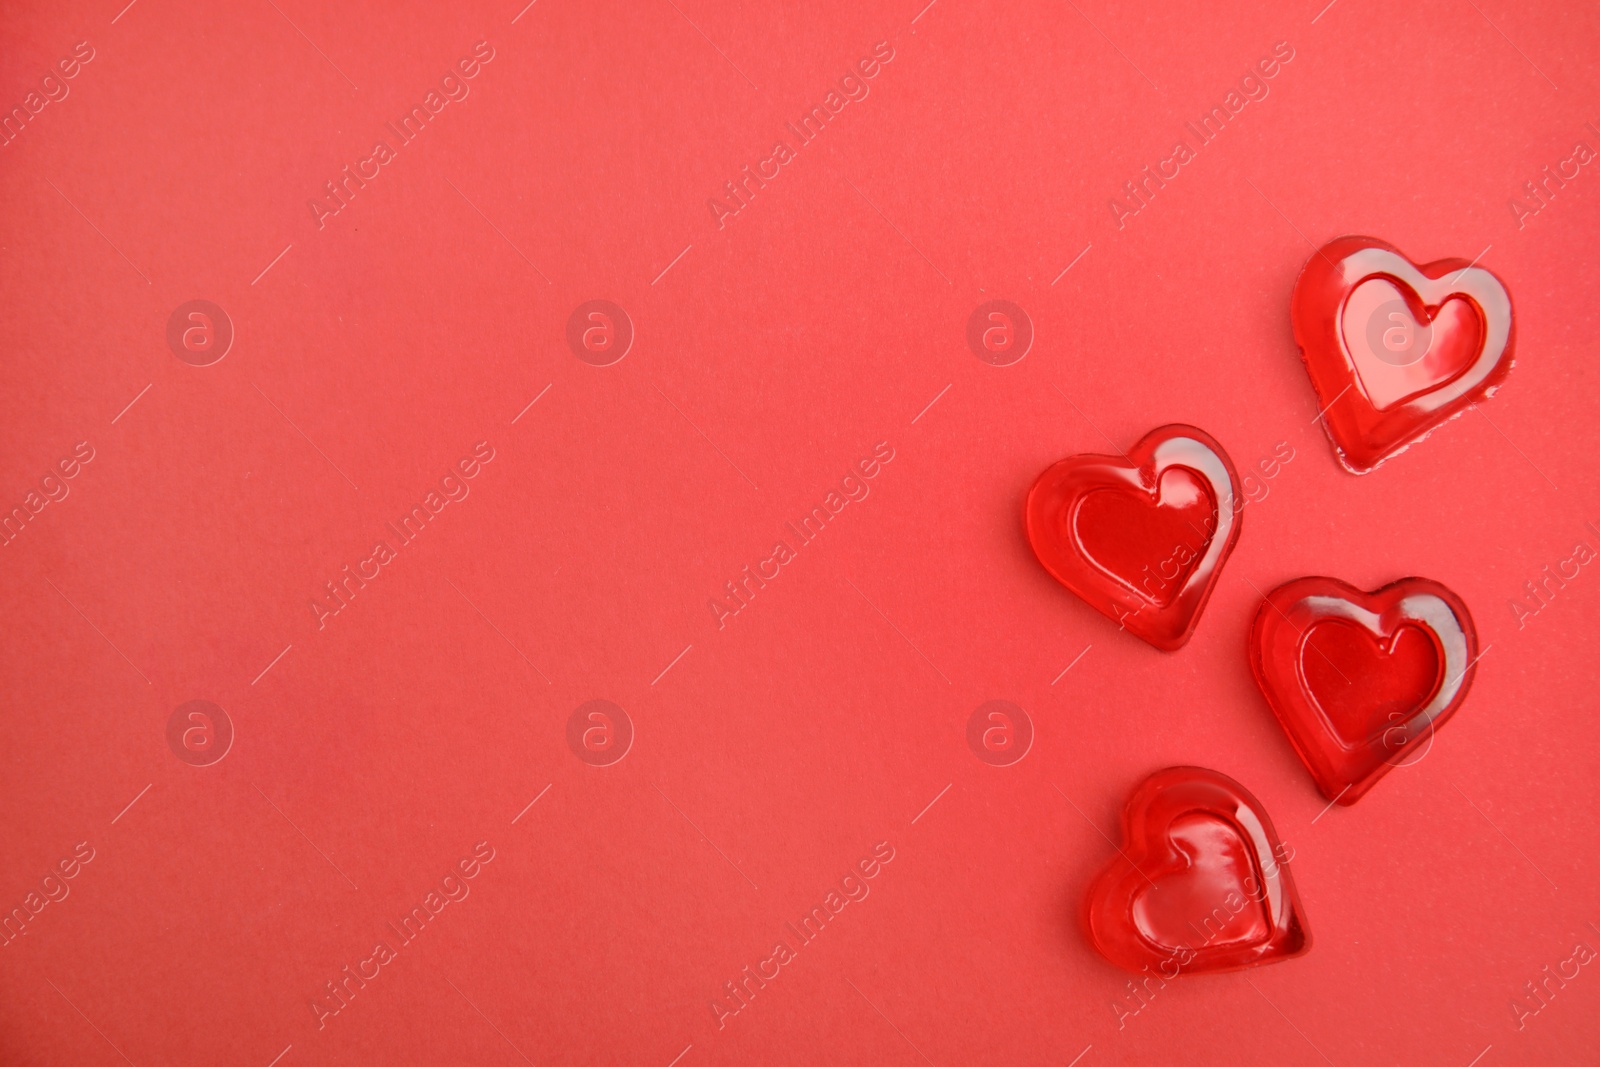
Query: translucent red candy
(1141, 536)
(1201, 882)
(1393, 349)
(1362, 681)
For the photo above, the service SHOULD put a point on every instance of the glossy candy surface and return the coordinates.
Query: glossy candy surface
(1201, 882)
(1361, 682)
(1140, 537)
(1393, 349)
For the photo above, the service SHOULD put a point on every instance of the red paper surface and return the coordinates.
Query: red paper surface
(771, 353)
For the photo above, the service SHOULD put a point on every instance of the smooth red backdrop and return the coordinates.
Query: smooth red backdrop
(778, 350)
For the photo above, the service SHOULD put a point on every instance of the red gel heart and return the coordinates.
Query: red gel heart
(1393, 349)
(1201, 883)
(1361, 681)
(1140, 537)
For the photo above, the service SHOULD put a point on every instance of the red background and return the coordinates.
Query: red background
(820, 320)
